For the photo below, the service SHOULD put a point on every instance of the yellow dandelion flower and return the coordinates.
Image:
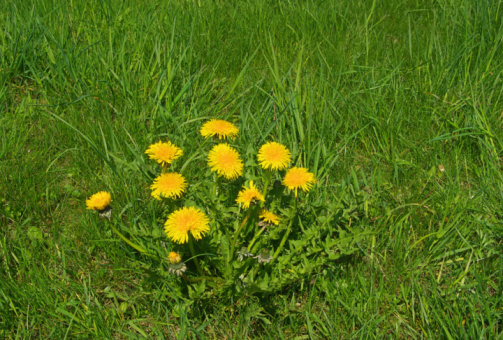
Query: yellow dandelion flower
(169, 185)
(269, 217)
(164, 153)
(186, 219)
(99, 201)
(273, 156)
(225, 160)
(248, 195)
(220, 128)
(174, 258)
(296, 178)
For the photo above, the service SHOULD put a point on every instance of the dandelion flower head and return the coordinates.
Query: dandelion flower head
(164, 153)
(296, 178)
(99, 201)
(220, 128)
(185, 220)
(269, 217)
(273, 156)
(169, 185)
(174, 258)
(248, 195)
(225, 160)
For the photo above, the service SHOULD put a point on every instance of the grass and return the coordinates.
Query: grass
(372, 96)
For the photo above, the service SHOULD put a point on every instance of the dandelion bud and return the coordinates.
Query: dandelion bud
(264, 256)
(243, 253)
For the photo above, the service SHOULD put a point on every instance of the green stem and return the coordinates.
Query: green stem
(288, 230)
(193, 252)
(135, 246)
(234, 240)
(266, 186)
(257, 235)
(215, 187)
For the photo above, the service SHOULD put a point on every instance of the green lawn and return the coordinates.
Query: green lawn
(396, 106)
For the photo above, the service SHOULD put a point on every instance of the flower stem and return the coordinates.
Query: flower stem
(257, 235)
(216, 186)
(134, 245)
(234, 240)
(266, 186)
(288, 230)
(193, 252)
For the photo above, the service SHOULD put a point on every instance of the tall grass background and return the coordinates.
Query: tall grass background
(375, 97)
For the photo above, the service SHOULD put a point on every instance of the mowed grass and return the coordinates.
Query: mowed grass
(394, 104)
